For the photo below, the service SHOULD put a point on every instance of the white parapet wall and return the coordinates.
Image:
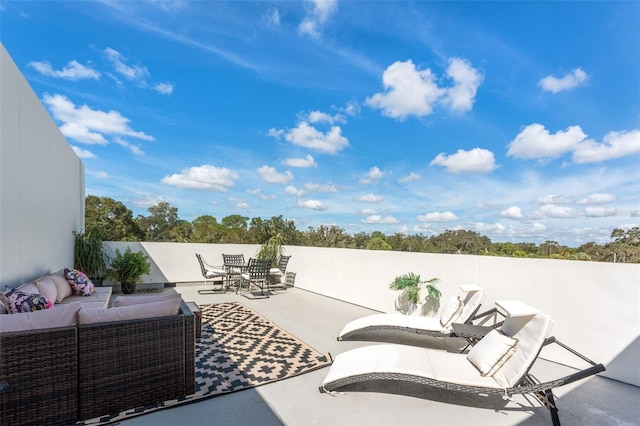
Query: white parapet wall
(595, 306)
(41, 184)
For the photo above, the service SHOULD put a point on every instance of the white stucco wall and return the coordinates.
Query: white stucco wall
(595, 306)
(41, 184)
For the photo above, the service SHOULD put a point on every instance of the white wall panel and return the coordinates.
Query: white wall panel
(41, 184)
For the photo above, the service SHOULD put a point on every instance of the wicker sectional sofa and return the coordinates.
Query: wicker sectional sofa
(63, 375)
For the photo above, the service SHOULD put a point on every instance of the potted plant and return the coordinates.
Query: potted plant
(128, 268)
(411, 285)
(272, 249)
(89, 255)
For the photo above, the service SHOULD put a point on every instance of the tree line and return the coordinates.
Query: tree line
(117, 223)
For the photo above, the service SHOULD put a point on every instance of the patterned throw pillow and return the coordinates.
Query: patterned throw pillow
(79, 282)
(23, 302)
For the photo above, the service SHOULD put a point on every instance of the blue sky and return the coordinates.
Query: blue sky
(517, 120)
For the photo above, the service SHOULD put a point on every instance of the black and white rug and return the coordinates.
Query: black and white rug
(239, 349)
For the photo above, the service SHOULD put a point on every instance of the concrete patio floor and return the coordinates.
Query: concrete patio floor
(317, 320)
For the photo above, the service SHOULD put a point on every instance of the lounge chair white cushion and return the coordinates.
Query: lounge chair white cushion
(275, 271)
(531, 331)
(428, 363)
(451, 312)
(490, 353)
(474, 296)
(395, 320)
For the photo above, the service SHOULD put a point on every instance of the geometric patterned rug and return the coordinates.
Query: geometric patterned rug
(239, 349)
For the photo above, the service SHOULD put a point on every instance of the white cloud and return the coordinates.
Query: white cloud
(599, 211)
(466, 79)
(310, 137)
(482, 227)
(408, 91)
(135, 149)
(378, 219)
(271, 175)
(258, 193)
(368, 212)
(447, 216)
(99, 175)
(170, 6)
(410, 177)
(136, 73)
(477, 160)
(292, 190)
(597, 199)
(351, 108)
(205, 177)
(87, 125)
(553, 211)
(272, 18)
(147, 201)
(554, 199)
(534, 141)
(83, 153)
(317, 16)
(320, 187)
(305, 162)
(575, 78)
(238, 203)
(311, 204)
(275, 133)
(539, 227)
(615, 145)
(373, 176)
(72, 71)
(512, 212)
(370, 198)
(82, 134)
(322, 117)
(164, 88)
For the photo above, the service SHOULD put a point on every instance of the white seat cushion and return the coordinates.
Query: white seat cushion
(395, 320)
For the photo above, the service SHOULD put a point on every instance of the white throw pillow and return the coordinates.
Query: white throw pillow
(451, 312)
(63, 287)
(47, 288)
(490, 353)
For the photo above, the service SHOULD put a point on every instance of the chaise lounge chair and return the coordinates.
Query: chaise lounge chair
(460, 309)
(500, 363)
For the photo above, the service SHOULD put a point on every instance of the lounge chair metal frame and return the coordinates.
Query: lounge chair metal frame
(543, 391)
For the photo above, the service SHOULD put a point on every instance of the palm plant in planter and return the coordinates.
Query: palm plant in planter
(128, 268)
(89, 255)
(272, 249)
(411, 285)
